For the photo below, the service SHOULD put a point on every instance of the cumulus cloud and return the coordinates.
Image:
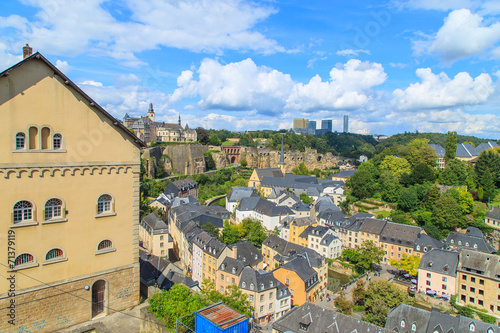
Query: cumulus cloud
(73, 27)
(349, 87)
(63, 66)
(439, 91)
(236, 86)
(352, 53)
(397, 65)
(462, 35)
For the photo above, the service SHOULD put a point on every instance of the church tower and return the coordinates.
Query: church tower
(151, 112)
(180, 120)
(282, 158)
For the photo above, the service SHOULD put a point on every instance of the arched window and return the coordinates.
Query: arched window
(54, 254)
(243, 284)
(23, 211)
(105, 244)
(45, 138)
(251, 286)
(53, 209)
(452, 241)
(57, 141)
(23, 259)
(104, 204)
(20, 140)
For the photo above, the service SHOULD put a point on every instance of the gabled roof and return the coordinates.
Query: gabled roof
(151, 267)
(263, 206)
(372, 226)
(155, 222)
(440, 151)
(247, 253)
(493, 213)
(300, 264)
(232, 266)
(235, 194)
(440, 261)
(400, 234)
(466, 150)
(310, 318)
(425, 241)
(456, 239)
(261, 281)
(487, 263)
(92, 104)
(268, 172)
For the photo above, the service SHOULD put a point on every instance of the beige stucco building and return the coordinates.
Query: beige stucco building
(154, 236)
(69, 200)
(437, 272)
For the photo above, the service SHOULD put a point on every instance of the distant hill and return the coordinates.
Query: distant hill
(434, 138)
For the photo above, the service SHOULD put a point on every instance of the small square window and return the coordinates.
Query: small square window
(473, 279)
(464, 287)
(480, 302)
(481, 282)
(472, 289)
(471, 299)
(463, 298)
(481, 292)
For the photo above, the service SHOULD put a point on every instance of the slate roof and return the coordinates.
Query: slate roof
(466, 150)
(332, 218)
(151, 267)
(174, 188)
(300, 207)
(302, 221)
(425, 241)
(247, 253)
(301, 265)
(318, 231)
(287, 251)
(400, 234)
(297, 183)
(261, 281)
(325, 203)
(486, 145)
(171, 190)
(155, 222)
(268, 172)
(237, 193)
(176, 202)
(179, 278)
(282, 291)
(456, 239)
(372, 226)
(262, 206)
(475, 232)
(232, 266)
(433, 321)
(200, 214)
(343, 174)
(493, 213)
(209, 244)
(440, 151)
(287, 195)
(474, 261)
(310, 318)
(440, 261)
(328, 239)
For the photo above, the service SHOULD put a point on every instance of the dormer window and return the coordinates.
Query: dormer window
(403, 323)
(251, 286)
(452, 241)
(234, 270)
(445, 268)
(261, 286)
(475, 246)
(413, 327)
(271, 283)
(304, 327)
(472, 327)
(459, 242)
(429, 264)
(467, 244)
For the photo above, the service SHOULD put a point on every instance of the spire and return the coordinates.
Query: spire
(282, 157)
(151, 108)
(151, 112)
(180, 119)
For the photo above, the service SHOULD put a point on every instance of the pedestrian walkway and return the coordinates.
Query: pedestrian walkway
(126, 321)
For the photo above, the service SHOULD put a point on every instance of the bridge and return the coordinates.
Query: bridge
(210, 201)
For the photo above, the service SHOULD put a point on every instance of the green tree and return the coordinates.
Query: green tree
(407, 263)
(362, 184)
(211, 229)
(343, 304)
(419, 152)
(422, 173)
(454, 173)
(305, 198)
(450, 147)
(232, 297)
(231, 234)
(214, 140)
(408, 200)
(359, 292)
(254, 232)
(243, 160)
(396, 165)
(381, 296)
(487, 185)
(488, 160)
(175, 303)
(447, 215)
(301, 169)
(431, 197)
(365, 255)
(202, 135)
(390, 188)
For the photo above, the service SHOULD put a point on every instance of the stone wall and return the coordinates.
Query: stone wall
(59, 305)
(187, 159)
(221, 160)
(268, 158)
(494, 239)
(151, 324)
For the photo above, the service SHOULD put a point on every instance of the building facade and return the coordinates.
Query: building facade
(70, 202)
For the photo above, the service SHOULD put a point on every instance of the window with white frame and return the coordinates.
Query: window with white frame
(23, 211)
(53, 209)
(104, 204)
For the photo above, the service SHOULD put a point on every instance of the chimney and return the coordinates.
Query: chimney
(27, 51)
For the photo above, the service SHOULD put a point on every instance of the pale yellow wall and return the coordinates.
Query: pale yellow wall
(96, 158)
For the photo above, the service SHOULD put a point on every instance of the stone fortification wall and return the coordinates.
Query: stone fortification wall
(186, 159)
(268, 158)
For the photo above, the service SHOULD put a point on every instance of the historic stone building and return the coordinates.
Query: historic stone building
(149, 130)
(69, 203)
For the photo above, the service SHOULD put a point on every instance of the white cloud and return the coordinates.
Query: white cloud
(236, 86)
(462, 35)
(348, 88)
(397, 65)
(63, 66)
(439, 91)
(65, 27)
(352, 53)
(443, 5)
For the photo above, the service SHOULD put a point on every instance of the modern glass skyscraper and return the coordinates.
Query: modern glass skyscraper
(346, 124)
(326, 125)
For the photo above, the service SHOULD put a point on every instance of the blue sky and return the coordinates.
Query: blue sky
(393, 66)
